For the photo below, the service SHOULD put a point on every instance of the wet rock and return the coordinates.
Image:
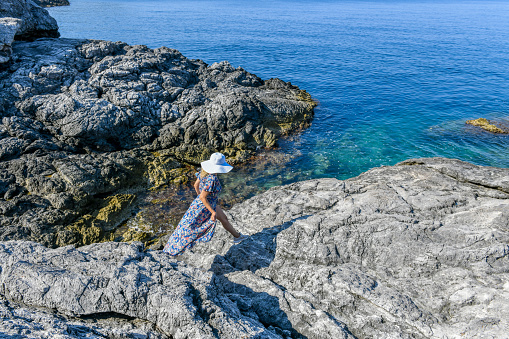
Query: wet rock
(490, 126)
(85, 121)
(35, 21)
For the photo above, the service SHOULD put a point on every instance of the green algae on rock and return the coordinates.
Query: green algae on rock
(98, 225)
(488, 125)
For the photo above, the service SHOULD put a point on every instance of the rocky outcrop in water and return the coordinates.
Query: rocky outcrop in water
(490, 126)
(417, 250)
(84, 124)
(52, 3)
(35, 21)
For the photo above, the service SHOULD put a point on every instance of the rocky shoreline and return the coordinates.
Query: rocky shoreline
(416, 250)
(87, 124)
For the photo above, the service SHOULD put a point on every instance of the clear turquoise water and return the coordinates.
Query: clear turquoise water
(395, 79)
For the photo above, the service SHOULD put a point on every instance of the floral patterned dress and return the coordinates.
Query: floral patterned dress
(196, 225)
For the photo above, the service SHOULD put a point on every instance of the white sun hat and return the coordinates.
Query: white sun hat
(216, 164)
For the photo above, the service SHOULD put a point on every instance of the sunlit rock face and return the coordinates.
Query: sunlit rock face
(416, 250)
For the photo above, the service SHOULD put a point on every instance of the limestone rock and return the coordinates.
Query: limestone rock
(36, 21)
(416, 250)
(8, 29)
(129, 294)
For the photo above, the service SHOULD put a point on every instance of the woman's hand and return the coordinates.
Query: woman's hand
(197, 186)
(213, 216)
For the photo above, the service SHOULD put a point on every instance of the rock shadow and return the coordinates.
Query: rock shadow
(256, 252)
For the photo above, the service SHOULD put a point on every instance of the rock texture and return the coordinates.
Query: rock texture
(113, 290)
(84, 123)
(35, 21)
(417, 250)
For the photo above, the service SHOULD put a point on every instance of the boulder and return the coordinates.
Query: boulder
(8, 29)
(36, 21)
(416, 250)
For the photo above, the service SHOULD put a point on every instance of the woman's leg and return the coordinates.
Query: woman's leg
(224, 221)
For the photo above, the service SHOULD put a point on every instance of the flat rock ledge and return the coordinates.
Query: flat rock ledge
(84, 125)
(416, 250)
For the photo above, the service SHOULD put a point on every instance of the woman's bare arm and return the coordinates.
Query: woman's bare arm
(203, 198)
(197, 186)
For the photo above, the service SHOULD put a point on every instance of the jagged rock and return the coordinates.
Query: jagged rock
(8, 29)
(417, 250)
(85, 120)
(36, 21)
(52, 3)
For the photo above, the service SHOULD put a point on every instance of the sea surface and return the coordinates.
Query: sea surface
(394, 79)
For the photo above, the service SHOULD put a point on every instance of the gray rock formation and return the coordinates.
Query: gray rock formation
(136, 294)
(417, 250)
(8, 29)
(36, 21)
(83, 123)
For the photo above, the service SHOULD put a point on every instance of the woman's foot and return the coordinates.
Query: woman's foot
(240, 238)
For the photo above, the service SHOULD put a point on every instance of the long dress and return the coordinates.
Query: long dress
(196, 225)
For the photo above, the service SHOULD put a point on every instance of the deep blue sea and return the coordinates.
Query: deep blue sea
(394, 79)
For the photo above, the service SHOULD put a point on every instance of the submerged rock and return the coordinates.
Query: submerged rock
(488, 125)
(417, 250)
(83, 121)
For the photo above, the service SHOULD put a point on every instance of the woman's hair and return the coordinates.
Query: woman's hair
(203, 174)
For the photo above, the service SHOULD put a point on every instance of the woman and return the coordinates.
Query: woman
(199, 222)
